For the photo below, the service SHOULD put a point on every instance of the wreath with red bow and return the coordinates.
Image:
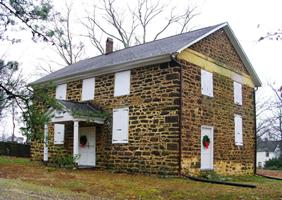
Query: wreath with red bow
(206, 141)
(83, 140)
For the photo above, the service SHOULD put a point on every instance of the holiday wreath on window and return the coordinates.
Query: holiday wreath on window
(206, 141)
(83, 140)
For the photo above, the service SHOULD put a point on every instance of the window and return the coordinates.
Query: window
(88, 89)
(61, 92)
(238, 130)
(122, 83)
(237, 93)
(120, 125)
(260, 164)
(59, 133)
(267, 154)
(207, 83)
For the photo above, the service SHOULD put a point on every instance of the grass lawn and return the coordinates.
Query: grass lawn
(97, 184)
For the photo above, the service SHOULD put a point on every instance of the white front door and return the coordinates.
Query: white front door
(87, 152)
(206, 147)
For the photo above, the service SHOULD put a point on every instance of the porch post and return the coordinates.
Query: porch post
(75, 140)
(45, 152)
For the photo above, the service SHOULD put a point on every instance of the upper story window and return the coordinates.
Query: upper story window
(120, 125)
(88, 89)
(237, 93)
(238, 129)
(207, 83)
(122, 83)
(61, 92)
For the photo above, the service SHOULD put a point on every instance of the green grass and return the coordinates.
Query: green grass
(122, 186)
(13, 160)
(17, 189)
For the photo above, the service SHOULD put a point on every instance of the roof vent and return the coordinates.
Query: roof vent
(109, 45)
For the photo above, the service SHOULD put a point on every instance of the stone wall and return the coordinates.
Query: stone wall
(153, 122)
(53, 150)
(217, 111)
(219, 47)
(154, 106)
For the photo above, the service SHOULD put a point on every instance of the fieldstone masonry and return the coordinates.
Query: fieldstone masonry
(217, 111)
(154, 109)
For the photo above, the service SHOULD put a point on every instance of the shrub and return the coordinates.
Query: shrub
(274, 163)
(65, 161)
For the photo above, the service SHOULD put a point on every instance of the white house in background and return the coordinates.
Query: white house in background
(266, 150)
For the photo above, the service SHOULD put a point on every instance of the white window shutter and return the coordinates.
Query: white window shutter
(120, 125)
(203, 82)
(237, 93)
(238, 129)
(88, 89)
(122, 83)
(124, 122)
(207, 83)
(59, 133)
(116, 126)
(210, 84)
(61, 92)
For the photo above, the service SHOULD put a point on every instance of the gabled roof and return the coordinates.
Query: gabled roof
(267, 146)
(149, 53)
(80, 107)
(82, 111)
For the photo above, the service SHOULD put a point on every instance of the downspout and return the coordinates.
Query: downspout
(173, 57)
(255, 129)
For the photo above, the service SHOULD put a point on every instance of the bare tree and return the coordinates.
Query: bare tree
(276, 35)
(269, 117)
(63, 40)
(136, 26)
(264, 108)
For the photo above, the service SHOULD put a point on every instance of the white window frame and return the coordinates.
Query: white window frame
(122, 83)
(88, 89)
(238, 93)
(59, 128)
(207, 83)
(120, 125)
(61, 92)
(238, 130)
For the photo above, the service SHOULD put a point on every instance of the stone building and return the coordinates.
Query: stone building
(181, 104)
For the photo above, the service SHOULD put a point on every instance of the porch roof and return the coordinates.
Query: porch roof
(76, 111)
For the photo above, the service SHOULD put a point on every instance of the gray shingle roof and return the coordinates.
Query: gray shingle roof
(165, 46)
(81, 108)
(267, 146)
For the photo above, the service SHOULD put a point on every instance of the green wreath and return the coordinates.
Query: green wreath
(83, 140)
(206, 141)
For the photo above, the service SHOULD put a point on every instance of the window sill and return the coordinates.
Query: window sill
(119, 142)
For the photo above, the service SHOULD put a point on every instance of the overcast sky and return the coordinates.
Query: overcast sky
(249, 20)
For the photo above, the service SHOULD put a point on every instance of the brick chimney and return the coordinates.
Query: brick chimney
(109, 45)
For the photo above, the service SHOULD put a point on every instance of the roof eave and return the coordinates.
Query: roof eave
(109, 69)
(242, 55)
(202, 37)
(237, 47)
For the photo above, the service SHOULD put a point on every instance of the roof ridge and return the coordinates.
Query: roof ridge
(161, 39)
(148, 52)
(129, 47)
